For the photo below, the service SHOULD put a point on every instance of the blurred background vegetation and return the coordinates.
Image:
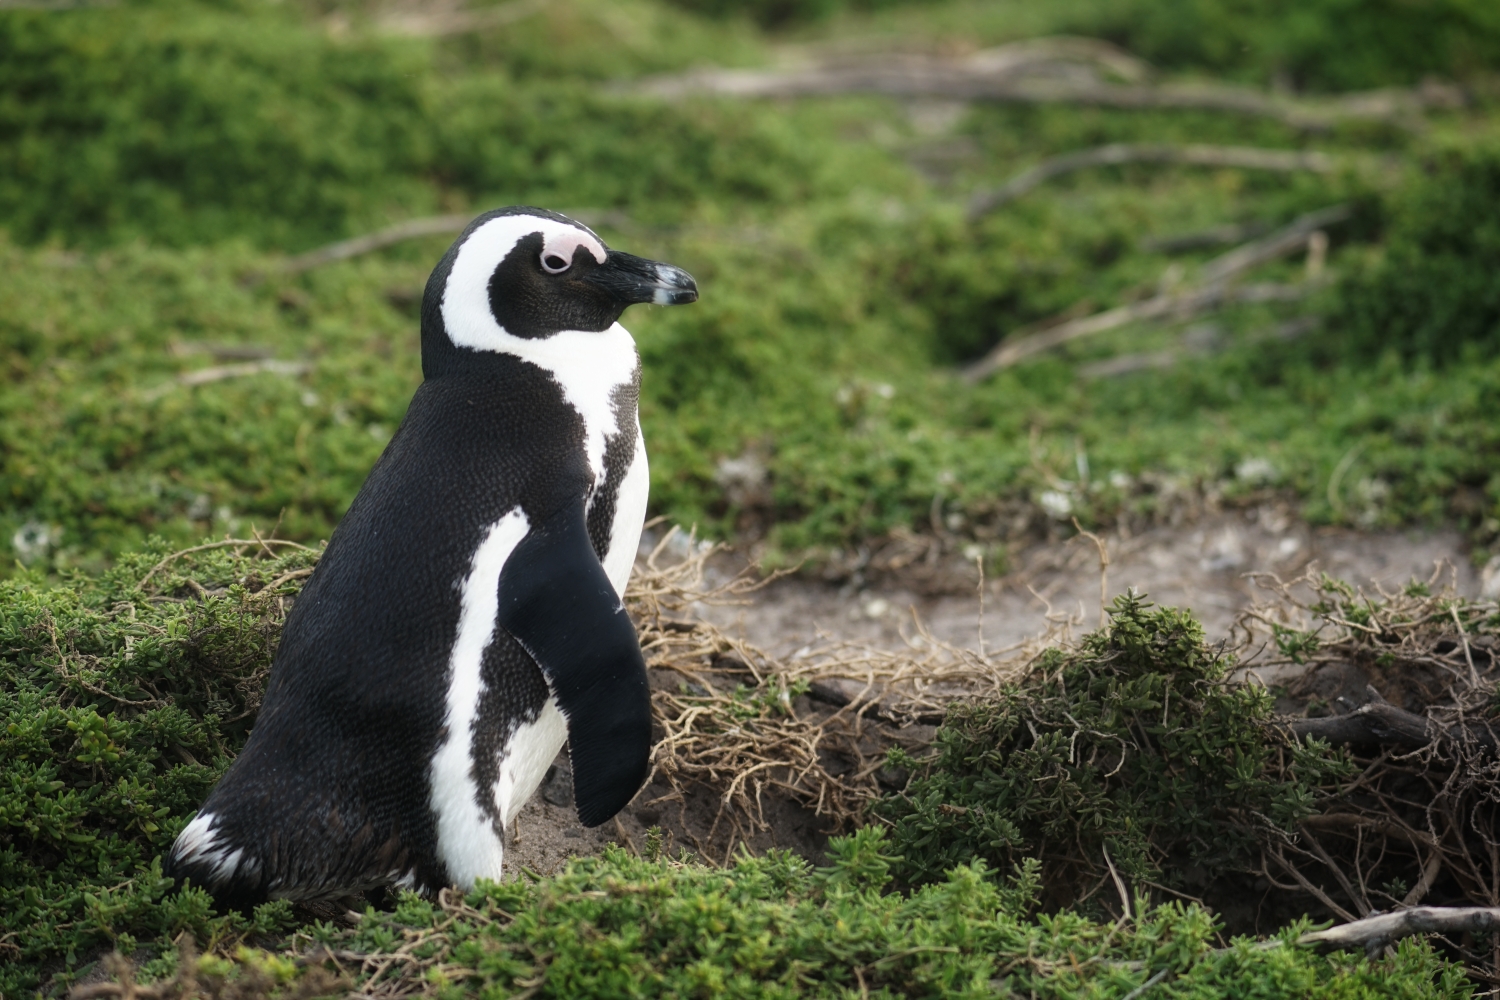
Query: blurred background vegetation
(166, 374)
(169, 368)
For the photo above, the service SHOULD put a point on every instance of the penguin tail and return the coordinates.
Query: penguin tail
(204, 855)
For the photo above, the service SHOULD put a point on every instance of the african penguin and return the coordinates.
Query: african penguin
(467, 617)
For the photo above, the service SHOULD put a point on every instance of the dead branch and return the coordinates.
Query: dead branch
(1179, 305)
(433, 225)
(1203, 238)
(221, 352)
(1282, 160)
(436, 225)
(1211, 293)
(1373, 933)
(219, 373)
(1387, 725)
(437, 20)
(1278, 244)
(1007, 75)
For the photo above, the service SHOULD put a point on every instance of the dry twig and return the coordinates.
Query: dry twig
(1375, 932)
(411, 229)
(439, 20)
(436, 225)
(1212, 291)
(1419, 820)
(1041, 71)
(1284, 160)
(218, 373)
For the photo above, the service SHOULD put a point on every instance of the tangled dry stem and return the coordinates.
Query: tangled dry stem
(1420, 820)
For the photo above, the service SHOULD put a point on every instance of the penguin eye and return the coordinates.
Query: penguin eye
(554, 264)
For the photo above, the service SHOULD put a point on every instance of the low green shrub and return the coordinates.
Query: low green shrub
(773, 927)
(123, 698)
(1132, 751)
(1317, 44)
(1434, 294)
(183, 123)
(119, 709)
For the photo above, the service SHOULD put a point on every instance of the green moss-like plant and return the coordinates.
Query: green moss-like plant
(1314, 44)
(1434, 294)
(119, 709)
(1131, 750)
(773, 927)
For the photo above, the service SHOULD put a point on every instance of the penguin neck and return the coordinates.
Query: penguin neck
(589, 367)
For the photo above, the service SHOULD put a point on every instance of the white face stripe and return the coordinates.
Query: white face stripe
(468, 844)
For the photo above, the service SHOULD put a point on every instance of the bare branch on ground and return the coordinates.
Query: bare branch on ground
(1033, 75)
(1176, 304)
(1278, 244)
(1210, 293)
(1204, 238)
(1242, 157)
(436, 225)
(219, 373)
(441, 20)
(1375, 932)
(411, 229)
(1386, 725)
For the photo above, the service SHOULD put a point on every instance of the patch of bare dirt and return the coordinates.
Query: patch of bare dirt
(1203, 567)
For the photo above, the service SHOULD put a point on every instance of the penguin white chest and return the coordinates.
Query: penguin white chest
(599, 374)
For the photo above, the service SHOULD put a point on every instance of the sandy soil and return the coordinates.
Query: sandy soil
(1203, 567)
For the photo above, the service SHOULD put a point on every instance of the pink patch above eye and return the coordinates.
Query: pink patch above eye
(564, 242)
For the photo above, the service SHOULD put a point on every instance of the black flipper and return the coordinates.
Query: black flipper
(558, 604)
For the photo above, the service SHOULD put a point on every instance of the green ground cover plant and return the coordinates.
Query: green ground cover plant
(123, 697)
(619, 925)
(164, 378)
(118, 712)
(1325, 45)
(1132, 751)
(1433, 295)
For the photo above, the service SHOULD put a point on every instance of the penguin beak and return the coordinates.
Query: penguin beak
(631, 280)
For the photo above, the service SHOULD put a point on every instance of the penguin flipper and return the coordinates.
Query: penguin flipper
(560, 606)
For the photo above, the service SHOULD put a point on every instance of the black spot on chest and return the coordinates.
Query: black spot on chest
(619, 453)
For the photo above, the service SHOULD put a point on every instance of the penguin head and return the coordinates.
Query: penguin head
(525, 274)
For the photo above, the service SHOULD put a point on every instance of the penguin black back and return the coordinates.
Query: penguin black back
(466, 615)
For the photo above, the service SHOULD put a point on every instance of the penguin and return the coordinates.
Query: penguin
(467, 617)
